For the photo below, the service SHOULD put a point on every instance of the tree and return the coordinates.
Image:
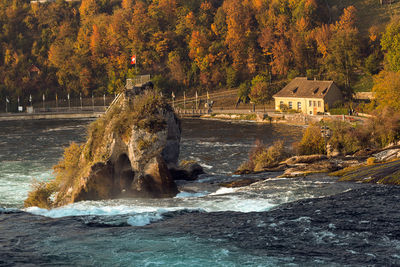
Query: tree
(340, 49)
(260, 91)
(387, 89)
(390, 43)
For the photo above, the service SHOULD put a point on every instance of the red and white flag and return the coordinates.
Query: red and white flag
(133, 60)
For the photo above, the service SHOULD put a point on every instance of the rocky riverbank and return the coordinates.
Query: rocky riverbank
(382, 166)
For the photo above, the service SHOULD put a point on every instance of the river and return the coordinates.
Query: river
(310, 221)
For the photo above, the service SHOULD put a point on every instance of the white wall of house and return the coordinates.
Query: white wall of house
(310, 106)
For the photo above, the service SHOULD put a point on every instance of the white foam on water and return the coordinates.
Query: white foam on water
(223, 191)
(219, 144)
(184, 194)
(84, 209)
(206, 166)
(144, 219)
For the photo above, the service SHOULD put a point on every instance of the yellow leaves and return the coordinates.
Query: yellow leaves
(387, 89)
(9, 57)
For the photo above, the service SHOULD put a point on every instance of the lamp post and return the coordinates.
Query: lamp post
(80, 97)
(69, 102)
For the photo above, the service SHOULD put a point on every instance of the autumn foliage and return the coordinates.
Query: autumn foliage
(85, 47)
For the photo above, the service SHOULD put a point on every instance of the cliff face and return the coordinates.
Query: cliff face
(129, 152)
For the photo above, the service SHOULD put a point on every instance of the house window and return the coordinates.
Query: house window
(319, 104)
(315, 103)
(310, 103)
(298, 105)
(310, 112)
(290, 105)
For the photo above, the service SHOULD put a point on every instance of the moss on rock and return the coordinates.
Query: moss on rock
(381, 173)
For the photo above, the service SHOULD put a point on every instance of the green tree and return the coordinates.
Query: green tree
(260, 91)
(390, 43)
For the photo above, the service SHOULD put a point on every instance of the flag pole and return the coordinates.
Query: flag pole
(196, 101)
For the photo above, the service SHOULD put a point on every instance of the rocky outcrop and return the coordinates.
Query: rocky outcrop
(130, 152)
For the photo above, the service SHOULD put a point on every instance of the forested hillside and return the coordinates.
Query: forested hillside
(86, 46)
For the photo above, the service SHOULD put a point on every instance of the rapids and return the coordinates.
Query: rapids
(310, 221)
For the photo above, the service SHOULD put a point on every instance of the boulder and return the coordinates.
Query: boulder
(302, 169)
(304, 159)
(239, 183)
(155, 182)
(188, 171)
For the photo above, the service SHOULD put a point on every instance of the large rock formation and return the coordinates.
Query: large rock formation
(129, 152)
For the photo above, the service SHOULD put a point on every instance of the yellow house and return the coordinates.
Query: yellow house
(308, 96)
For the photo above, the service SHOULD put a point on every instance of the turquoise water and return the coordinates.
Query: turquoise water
(29, 149)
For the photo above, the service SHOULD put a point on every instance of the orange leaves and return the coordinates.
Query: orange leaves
(238, 20)
(322, 36)
(373, 33)
(302, 25)
(348, 19)
(206, 6)
(266, 39)
(197, 44)
(190, 20)
(95, 41)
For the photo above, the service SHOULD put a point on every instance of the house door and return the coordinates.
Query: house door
(315, 111)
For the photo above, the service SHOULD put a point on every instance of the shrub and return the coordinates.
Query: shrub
(384, 127)
(262, 156)
(40, 195)
(312, 141)
(347, 138)
(67, 170)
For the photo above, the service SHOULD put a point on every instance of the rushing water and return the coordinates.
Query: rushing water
(202, 226)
